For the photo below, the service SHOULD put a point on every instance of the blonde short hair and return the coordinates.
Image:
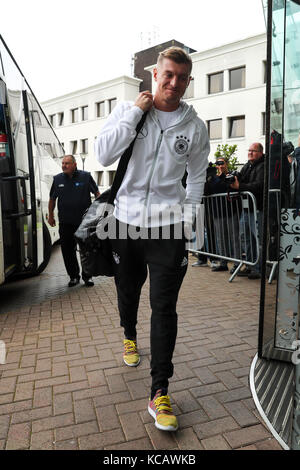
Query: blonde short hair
(177, 54)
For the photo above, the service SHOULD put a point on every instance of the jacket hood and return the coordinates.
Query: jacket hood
(187, 113)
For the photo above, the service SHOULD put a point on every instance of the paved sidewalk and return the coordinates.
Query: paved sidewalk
(65, 386)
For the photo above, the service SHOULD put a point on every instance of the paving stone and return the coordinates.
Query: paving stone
(13, 372)
(52, 422)
(137, 444)
(77, 430)
(84, 410)
(31, 415)
(246, 436)
(18, 436)
(88, 392)
(71, 444)
(160, 440)
(14, 407)
(24, 391)
(212, 407)
(212, 428)
(207, 389)
(215, 443)
(192, 418)
(4, 426)
(268, 444)
(205, 375)
(42, 440)
(7, 385)
(234, 395)
(100, 441)
(241, 414)
(132, 425)
(187, 440)
(228, 379)
(62, 404)
(107, 418)
(42, 397)
(116, 383)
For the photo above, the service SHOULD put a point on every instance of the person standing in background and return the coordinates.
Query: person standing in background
(72, 189)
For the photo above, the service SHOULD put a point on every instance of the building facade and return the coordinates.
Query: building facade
(227, 91)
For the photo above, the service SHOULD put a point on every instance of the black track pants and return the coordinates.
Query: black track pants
(166, 260)
(68, 249)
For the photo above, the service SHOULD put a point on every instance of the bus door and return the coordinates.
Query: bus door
(12, 254)
(34, 193)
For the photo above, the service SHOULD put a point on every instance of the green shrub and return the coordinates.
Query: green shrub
(228, 153)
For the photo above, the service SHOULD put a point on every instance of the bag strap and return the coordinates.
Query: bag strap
(123, 163)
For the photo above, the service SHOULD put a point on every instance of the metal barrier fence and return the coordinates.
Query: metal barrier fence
(228, 227)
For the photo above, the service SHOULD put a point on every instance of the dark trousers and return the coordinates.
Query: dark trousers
(69, 249)
(167, 264)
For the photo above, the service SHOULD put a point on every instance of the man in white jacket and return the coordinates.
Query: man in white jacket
(149, 210)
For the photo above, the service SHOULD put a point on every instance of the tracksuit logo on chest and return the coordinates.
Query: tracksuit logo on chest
(181, 145)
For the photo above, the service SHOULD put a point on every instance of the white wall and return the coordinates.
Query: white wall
(248, 101)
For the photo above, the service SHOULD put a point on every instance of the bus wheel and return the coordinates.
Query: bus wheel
(47, 249)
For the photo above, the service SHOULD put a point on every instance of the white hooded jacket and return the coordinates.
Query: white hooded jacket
(152, 185)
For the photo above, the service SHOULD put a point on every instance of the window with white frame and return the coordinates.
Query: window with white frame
(237, 78)
(84, 145)
(111, 176)
(100, 109)
(111, 104)
(84, 113)
(214, 127)
(264, 71)
(100, 178)
(52, 119)
(215, 82)
(60, 119)
(73, 147)
(189, 92)
(236, 126)
(74, 115)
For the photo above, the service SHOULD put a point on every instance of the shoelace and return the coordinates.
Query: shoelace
(130, 346)
(163, 404)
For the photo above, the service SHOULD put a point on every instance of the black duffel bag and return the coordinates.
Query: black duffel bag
(96, 253)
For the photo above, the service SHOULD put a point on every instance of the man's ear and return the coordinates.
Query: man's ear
(155, 73)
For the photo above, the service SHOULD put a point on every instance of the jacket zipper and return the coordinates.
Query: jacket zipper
(155, 159)
(153, 165)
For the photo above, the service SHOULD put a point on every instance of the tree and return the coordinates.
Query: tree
(228, 153)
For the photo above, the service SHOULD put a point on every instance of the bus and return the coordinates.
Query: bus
(30, 154)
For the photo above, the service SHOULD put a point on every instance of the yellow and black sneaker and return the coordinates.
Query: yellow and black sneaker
(131, 356)
(160, 409)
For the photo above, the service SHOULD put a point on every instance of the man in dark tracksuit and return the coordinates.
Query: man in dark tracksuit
(251, 178)
(72, 188)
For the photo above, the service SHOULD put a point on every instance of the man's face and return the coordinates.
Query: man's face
(254, 153)
(221, 166)
(172, 80)
(68, 166)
